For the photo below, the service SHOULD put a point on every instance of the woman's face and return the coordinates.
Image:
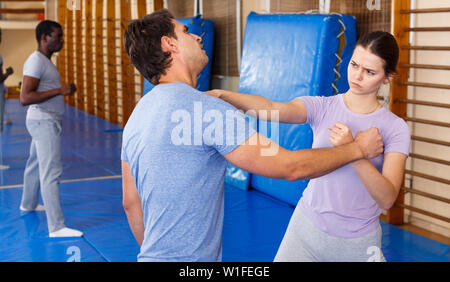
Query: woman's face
(365, 72)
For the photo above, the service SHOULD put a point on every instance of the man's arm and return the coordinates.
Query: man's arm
(29, 95)
(4, 76)
(132, 204)
(302, 164)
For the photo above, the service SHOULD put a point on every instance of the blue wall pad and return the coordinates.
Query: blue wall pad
(235, 176)
(205, 29)
(293, 56)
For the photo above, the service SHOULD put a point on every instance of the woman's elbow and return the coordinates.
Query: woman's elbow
(386, 206)
(388, 203)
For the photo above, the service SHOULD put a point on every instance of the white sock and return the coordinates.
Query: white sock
(4, 167)
(66, 232)
(37, 208)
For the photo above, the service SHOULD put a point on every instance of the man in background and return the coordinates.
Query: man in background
(42, 91)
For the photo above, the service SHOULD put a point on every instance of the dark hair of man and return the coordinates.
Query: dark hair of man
(142, 41)
(384, 45)
(45, 27)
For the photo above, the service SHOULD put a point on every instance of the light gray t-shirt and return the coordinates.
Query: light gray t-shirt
(39, 66)
(175, 142)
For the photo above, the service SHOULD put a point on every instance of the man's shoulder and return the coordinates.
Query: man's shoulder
(34, 56)
(186, 95)
(34, 60)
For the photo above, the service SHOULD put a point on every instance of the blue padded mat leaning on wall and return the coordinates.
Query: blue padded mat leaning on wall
(205, 29)
(294, 56)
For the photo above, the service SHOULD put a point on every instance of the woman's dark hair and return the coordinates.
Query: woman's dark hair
(142, 41)
(384, 45)
(45, 27)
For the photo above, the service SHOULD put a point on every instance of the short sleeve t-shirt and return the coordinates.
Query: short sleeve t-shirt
(175, 142)
(39, 66)
(338, 203)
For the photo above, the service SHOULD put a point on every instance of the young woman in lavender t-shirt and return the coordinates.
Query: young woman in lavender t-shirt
(337, 218)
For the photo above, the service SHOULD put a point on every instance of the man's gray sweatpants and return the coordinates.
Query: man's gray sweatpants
(43, 170)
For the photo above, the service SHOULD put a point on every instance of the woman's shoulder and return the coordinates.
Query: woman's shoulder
(321, 99)
(394, 121)
(396, 133)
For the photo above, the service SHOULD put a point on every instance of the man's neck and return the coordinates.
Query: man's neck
(183, 75)
(45, 52)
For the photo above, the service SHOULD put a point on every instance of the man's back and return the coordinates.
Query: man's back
(174, 143)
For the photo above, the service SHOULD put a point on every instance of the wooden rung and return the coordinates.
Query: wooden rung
(425, 194)
(427, 158)
(427, 176)
(431, 10)
(430, 140)
(423, 84)
(445, 28)
(432, 122)
(423, 103)
(22, 11)
(427, 213)
(427, 48)
(421, 66)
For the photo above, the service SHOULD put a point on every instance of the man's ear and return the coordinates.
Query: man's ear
(169, 44)
(43, 37)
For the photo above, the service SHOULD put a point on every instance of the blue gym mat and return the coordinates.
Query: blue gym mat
(254, 222)
(90, 147)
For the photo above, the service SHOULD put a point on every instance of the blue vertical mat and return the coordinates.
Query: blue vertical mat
(294, 56)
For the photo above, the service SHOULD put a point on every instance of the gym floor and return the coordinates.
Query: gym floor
(91, 198)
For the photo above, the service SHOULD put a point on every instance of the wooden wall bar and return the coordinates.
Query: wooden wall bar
(89, 92)
(111, 51)
(69, 45)
(94, 57)
(62, 57)
(78, 46)
(99, 61)
(142, 11)
(126, 66)
(396, 214)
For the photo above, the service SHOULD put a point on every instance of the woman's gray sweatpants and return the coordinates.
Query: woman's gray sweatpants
(304, 242)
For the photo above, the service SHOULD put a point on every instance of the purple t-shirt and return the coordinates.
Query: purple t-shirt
(338, 203)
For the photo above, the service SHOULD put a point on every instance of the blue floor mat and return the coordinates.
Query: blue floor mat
(254, 226)
(90, 147)
(254, 223)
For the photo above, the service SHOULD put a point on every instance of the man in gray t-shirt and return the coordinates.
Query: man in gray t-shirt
(42, 91)
(178, 140)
